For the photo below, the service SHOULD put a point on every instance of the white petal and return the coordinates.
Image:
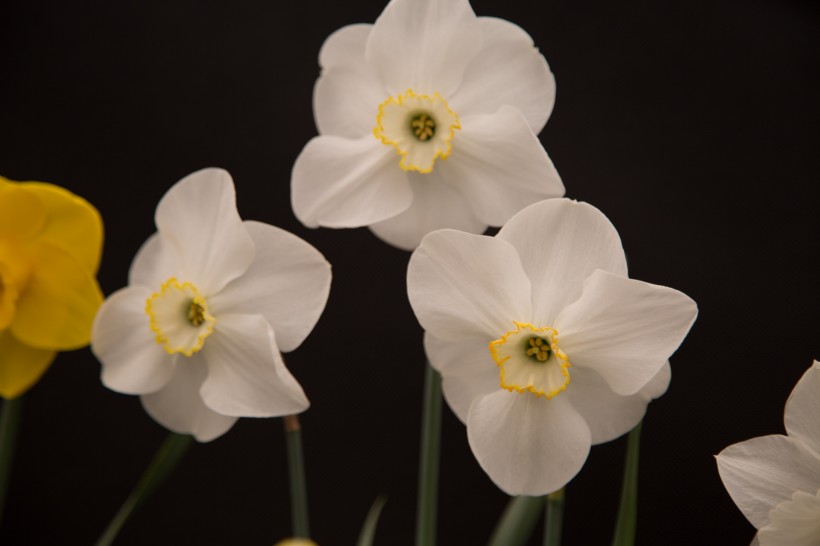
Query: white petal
(121, 338)
(508, 70)
(657, 385)
(528, 445)
(802, 415)
(246, 374)
(347, 96)
(499, 165)
(339, 182)
(467, 369)
(608, 414)
(288, 284)
(199, 217)
(436, 205)
(462, 286)
(624, 329)
(424, 45)
(345, 46)
(561, 242)
(156, 261)
(179, 407)
(795, 522)
(762, 472)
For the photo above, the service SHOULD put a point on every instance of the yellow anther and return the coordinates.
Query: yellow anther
(196, 313)
(423, 126)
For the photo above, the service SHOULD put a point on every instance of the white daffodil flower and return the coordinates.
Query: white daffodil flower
(544, 345)
(211, 302)
(775, 480)
(427, 119)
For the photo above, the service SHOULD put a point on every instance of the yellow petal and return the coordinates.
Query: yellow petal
(72, 224)
(22, 213)
(20, 365)
(58, 306)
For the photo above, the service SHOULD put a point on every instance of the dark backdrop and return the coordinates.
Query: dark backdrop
(692, 125)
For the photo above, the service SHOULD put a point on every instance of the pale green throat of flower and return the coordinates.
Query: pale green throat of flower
(179, 317)
(529, 360)
(420, 127)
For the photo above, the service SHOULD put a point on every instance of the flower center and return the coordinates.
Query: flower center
(179, 317)
(423, 126)
(419, 127)
(539, 349)
(531, 361)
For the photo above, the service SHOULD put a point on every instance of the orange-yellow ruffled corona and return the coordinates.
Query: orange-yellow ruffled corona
(530, 360)
(420, 127)
(50, 248)
(178, 315)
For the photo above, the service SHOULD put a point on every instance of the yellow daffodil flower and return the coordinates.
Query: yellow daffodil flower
(50, 247)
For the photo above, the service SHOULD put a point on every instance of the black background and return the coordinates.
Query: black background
(692, 125)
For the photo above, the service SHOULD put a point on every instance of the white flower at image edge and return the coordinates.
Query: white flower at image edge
(211, 302)
(544, 345)
(427, 119)
(775, 480)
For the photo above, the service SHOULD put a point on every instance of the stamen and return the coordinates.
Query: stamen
(196, 313)
(539, 349)
(423, 126)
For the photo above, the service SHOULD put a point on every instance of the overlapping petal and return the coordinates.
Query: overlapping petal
(199, 217)
(71, 223)
(762, 472)
(500, 166)
(288, 284)
(20, 365)
(462, 285)
(424, 45)
(246, 374)
(22, 213)
(561, 242)
(468, 371)
(528, 445)
(347, 94)
(58, 307)
(624, 329)
(507, 70)
(340, 182)
(802, 414)
(156, 261)
(436, 205)
(795, 522)
(178, 406)
(608, 414)
(132, 361)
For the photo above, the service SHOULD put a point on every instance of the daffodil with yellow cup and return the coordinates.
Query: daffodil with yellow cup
(50, 248)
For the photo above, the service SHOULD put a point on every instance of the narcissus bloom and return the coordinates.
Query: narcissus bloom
(427, 119)
(50, 247)
(775, 480)
(210, 303)
(544, 345)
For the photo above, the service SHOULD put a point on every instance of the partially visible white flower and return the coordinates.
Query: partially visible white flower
(775, 480)
(427, 120)
(544, 345)
(210, 303)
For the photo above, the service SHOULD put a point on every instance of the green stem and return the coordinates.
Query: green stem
(165, 460)
(296, 470)
(428, 460)
(554, 518)
(626, 525)
(518, 521)
(9, 424)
